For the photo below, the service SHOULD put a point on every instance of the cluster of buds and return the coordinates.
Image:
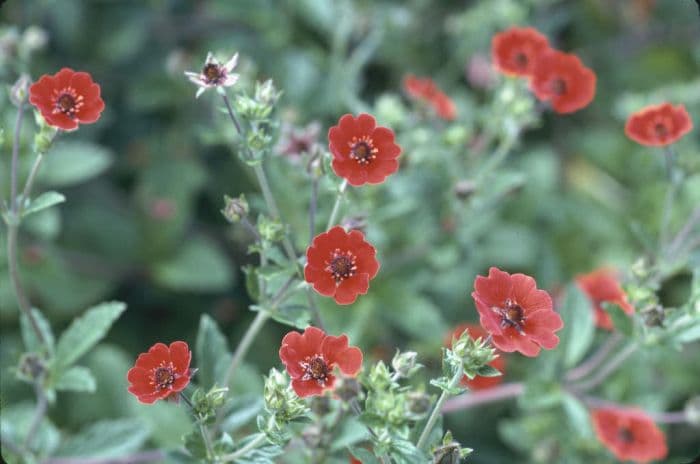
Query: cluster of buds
(404, 364)
(205, 405)
(473, 355)
(280, 400)
(271, 230)
(260, 105)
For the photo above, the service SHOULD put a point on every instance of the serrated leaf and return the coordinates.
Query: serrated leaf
(622, 321)
(42, 202)
(211, 345)
(106, 439)
(579, 329)
(85, 332)
(76, 378)
(31, 342)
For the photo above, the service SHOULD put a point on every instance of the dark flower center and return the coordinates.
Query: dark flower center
(213, 73)
(164, 376)
(315, 368)
(512, 315)
(362, 150)
(342, 265)
(625, 435)
(520, 60)
(67, 101)
(558, 86)
(660, 129)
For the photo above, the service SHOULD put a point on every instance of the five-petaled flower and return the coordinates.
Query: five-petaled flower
(161, 373)
(563, 80)
(424, 89)
(214, 74)
(67, 98)
(362, 151)
(516, 51)
(478, 382)
(341, 264)
(311, 357)
(516, 313)
(658, 125)
(630, 434)
(602, 286)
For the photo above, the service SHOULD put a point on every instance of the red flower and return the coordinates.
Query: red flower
(354, 460)
(310, 358)
(478, 382)
(67, 98)
(515, 51)
(341, 264)
(601, 286)
(425, 89)
(658, 125)
(161, 373)
(562, 79)
(630, 434)
(362, 152)
(517, 314)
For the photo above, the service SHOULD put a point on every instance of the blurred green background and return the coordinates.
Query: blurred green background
(145, 185)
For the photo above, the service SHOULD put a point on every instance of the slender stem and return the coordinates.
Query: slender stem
(26, 193)
(312, 208)
(673, 187)
(478, 398)
(39, 414)
(336, 205)
(231, 114)
(595, 360)
(137, 458)
(251, 228)
(187, 401)
(607, 369)
(245, 343)
(15, 156)
(677, 417)
(437, 410)
(259, 440)
(315, 313)
(207, 442)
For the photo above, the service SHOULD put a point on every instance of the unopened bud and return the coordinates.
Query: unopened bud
(654, 316)
(270, 230)
(235, 208)
(404, 364)
(31, 367)
(266, 93)
(379, 376)
(19, 90)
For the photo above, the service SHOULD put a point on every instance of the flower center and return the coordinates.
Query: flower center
(362, 150)
(512, 315)
(213, 73)
(558, 86)
(67, 101)
(625, 435)
(164, 376)
(660, 129)
(315, 368)
(342, 265)
(520, 60)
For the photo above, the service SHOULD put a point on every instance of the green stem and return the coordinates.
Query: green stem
(336, 205)
(607, 369)
(26, 193)
(437, 410)
(207, 443)
(243, 451)
(39, 413)
(245, 343)
(15, 157)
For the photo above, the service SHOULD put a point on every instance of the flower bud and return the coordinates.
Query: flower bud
(280, 400)
(270, 230)
(379, 376)
(235, 208)
(206, 404)
(31, 367)
(18, 91)
(266, 94)
(654, 316)
(404, 364)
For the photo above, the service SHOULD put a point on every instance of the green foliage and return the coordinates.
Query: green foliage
(43, 201)
(106, 439)
(578, 332)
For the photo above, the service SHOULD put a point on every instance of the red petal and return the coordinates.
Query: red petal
(494, 289)
(349, 361)
(347, 291)
(310, 387)
(181, 356)
(365, 124)
(332, 346)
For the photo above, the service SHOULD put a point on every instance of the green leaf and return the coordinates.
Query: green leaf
(211, 345)
(74, 162)
(199, 266)
(579, 329)
(43, 201)
(578, 415)
(241, 410)
(365, 456)
(31, 342)
(622, 321)
(106, 439)
(488, 371)
(689, 334)
(85, 332)
(76, 378)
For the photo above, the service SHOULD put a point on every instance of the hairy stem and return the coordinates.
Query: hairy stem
(15, 157)
(26, 193)
(336, 205)
(39, 413)
(207, 442)
(437, 410)
(604, 372)
(478, 398)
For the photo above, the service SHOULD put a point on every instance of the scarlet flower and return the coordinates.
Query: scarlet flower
(67, 98)
(478, 382)
(564, 81)
(311, 357)
(161, 373)
(341, 264)
(444, 107)
(516, 51)
(516, 313)
(658, 125)
(602, 286)
(630, 434)
(362, 151)
(425, 89)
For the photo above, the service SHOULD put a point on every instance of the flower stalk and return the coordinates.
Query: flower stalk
(437, 409)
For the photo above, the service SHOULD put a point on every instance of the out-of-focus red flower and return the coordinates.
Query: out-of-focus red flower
(67, 98)
(362, 151)
(602, 286)
(658, 125)
(516, 313)
(311, 357)
(341, 264)
(161, 373)
(563, 80)
(630, 434)
(425, 89)
(478, 382)
(354, 460)
(516, 51)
